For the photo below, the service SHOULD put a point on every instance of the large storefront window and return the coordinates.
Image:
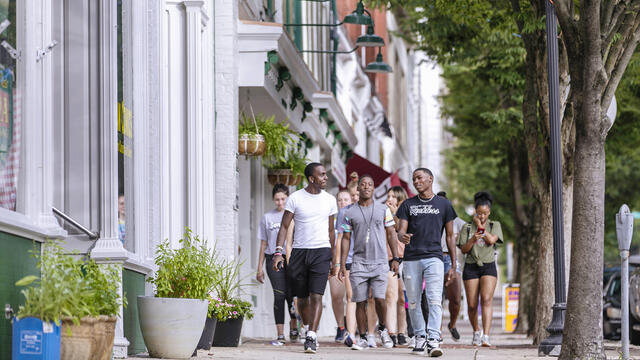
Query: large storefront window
(9, 106)
(125, 127)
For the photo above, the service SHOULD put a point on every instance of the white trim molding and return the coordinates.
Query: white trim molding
(326, 100)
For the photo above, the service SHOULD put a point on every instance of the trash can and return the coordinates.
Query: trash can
(34, 339)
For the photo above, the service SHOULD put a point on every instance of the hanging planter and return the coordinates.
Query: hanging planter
(283, 176)
(251, 145)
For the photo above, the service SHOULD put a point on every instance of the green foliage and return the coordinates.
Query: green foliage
(623, 159)
(70, 287)
(189, 272)
(231, 309)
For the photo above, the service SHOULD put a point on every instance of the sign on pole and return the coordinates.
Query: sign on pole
(510, 302)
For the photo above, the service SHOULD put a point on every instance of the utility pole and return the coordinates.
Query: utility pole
(552, 345)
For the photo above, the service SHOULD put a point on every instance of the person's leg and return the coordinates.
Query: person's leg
(361, 317)
(471, 288)
(487, 287)
(337, 289)
(391, 303)
(433, 274)
(351, 307)
(412, 273)
(454, 291)
(402, 320)
(279, 285)
(315, 305)
(297, 279)
(318, 262)
(305, 311)
(424, 305)
(372, 317)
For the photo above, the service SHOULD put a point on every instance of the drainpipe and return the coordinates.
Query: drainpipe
(334, 38)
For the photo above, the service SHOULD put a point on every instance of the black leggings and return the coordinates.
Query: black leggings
(281, 291)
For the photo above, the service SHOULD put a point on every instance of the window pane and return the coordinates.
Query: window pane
(125, 128)
(9, 107)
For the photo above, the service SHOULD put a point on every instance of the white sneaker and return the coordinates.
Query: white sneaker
(371, 341)
(485, 341)
(412, 342)
(387, 343)
(421, 345)
(477, 338)
(433, 347)
(360, 344)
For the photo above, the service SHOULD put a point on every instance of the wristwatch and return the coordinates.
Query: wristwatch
(396, 259)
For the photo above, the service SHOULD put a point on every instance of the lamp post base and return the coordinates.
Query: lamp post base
(552, 345)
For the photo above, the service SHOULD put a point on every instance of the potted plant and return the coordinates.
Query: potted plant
(173, 320)
(228, 309)
(79, 295)
(288, 171)
(250, 141)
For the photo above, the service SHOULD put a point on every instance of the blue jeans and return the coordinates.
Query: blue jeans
(431, 271)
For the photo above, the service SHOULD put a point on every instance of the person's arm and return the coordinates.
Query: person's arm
(344, 253)
(289, 244)
(260, 273)
(392, 240)
(402, 235)
(490, 238)
(338, 254)
(282, 235)
(468, 245)
(451, 246)
(332, 241)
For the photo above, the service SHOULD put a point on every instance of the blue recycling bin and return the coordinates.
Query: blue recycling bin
(34, 339)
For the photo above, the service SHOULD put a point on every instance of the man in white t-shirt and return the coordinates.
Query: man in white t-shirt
(313, 211)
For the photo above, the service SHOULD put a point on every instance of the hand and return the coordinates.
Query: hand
(476, 220)
(406, 238)
(394, 267)
(477, 236)
(260, 277)
(450, 276)
(334, 270)
(342, 274)
(392, 208)
(278, 262)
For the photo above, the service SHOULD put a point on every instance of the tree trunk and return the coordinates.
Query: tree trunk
(544, 294)
(583, 326)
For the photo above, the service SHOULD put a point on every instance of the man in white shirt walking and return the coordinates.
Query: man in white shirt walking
(313, 211)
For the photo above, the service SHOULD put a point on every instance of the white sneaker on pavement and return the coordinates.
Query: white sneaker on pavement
(477, 338)
(412, 342)
(485, 341)
(387, 343)
(360, 344)
(421, 345)
(371, 341)
(433, 347)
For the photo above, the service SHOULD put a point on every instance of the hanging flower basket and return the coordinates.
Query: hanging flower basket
(283, 176)
(251, 144)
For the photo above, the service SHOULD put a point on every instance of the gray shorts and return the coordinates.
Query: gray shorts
(368, 277)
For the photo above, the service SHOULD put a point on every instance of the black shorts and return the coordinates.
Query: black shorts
(308, 271)
(473, 271)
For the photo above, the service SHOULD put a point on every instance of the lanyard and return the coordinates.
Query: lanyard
(370, 219)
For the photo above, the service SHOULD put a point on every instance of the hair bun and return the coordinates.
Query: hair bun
(482, 196)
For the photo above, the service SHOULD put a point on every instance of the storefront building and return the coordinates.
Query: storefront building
(120, 114)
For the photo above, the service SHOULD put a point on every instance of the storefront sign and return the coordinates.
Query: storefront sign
(510, 300)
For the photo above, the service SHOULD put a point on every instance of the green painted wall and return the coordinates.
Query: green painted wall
(15, 262)
(133, 285)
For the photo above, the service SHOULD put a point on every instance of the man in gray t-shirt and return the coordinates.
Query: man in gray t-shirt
(370, 226)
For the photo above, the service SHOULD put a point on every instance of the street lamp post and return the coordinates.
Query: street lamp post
(551, 345)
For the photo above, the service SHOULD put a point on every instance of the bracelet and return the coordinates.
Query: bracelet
(397, 259)
(279, 248)
(336, 265)
(277, 254)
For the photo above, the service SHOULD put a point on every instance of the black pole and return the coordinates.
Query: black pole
(552, 344)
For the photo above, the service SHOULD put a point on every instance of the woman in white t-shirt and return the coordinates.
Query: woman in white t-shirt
(267, 234)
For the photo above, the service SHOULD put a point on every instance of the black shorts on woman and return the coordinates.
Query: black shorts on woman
(474, 271)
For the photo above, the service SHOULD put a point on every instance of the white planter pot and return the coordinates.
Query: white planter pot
(171, 328)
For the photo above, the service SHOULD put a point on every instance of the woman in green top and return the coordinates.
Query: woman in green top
(477, 241)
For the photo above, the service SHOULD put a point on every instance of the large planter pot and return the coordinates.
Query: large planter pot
(206, 339)
(90, 339)
(171, 327)
(283, 176)
(228, 333)
(251, 144)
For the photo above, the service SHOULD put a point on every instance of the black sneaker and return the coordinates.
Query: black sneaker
(348, 341)
(340, 335)
(293, 335)
(421, 345)
(433, 347)
(454, 332)
(402, 340)
(310, 345)
(394, 339)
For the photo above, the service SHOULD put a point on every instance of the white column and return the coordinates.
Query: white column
(108, 248)
(195, 185)
(35, 70)
(226, 131)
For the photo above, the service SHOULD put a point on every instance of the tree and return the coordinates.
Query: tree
(600, 38)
